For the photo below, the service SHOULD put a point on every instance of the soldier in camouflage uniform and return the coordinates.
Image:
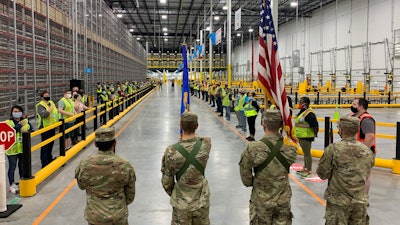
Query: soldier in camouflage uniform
(185, 162)
(346, 164)
(270, 160)
(109, 181)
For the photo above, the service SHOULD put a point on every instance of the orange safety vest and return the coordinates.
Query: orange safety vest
(361, 136)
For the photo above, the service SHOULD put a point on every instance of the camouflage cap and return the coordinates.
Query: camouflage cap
(188, 117)
(350, 122)
(273, 115)
(105, 134)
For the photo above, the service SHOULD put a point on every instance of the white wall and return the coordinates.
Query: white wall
(349, 23)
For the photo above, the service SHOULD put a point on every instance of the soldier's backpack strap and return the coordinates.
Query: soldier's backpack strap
(274, 153)
(190, 159)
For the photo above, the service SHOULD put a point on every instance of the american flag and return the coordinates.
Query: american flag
(269, 67)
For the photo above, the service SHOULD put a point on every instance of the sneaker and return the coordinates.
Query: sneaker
(307, 174)
(14, 189)
(299, 172)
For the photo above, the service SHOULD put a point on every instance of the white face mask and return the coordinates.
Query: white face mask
(68, 96)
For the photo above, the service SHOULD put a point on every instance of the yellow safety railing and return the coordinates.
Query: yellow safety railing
(30, 182)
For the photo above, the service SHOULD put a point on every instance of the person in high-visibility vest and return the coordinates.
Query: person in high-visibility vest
(236, 109)
(242, 101)
(14, 154)
(251, 109)
(226, 102)
(103, 100)
(47, 115)
(367, 132)
(66, 110)
(306, 129)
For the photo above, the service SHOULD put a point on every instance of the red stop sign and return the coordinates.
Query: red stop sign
(7, 135)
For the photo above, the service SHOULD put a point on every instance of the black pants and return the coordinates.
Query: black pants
(219, 104)
(252, 124)
(46, 151)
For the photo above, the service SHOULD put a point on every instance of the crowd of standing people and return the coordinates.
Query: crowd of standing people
(48, 112)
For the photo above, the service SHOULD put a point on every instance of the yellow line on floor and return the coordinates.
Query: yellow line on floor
(73, 182)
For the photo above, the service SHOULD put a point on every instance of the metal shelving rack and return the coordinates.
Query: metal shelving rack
(46, 43)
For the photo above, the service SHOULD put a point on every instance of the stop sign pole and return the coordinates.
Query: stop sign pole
(7, 140)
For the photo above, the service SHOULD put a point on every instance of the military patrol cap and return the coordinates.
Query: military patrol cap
(273, 115)
(105, 134)
(349, 122)
(188, 117)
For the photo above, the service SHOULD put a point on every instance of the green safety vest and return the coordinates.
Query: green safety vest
(17, 147)
(303, 129)
(236, 108)
(241, 102)
(99, 90)
(249, 109)
(51, 119)
(104, 98)
(69, 107)
(225, 100)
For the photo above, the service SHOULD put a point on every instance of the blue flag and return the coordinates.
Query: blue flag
(213, 38)
(185, 103)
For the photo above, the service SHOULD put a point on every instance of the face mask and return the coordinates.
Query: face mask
(17, 115)
(68, 96)
(104, 92)
(353, 109)
(300, 106)
(46, 98)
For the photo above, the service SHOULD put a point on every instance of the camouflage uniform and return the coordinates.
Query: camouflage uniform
(109, 181)
(346, 164)
(271, 194)
(190, 196)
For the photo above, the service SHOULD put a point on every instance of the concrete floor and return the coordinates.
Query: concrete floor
(143, 135)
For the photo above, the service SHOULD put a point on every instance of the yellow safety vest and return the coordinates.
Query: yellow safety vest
(249, 109)
(225, 100)
(51, 119)
(241, 102)
(236, 108)
(303, 129)
(69, 107)
(17, 147)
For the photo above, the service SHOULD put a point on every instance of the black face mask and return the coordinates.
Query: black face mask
(46, 98)
(354, 110)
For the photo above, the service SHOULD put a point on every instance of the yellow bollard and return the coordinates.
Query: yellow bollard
(396, 166)
(27, 187)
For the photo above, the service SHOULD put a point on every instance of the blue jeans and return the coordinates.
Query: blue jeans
(13, 160)
(227, 112)
(244, 120)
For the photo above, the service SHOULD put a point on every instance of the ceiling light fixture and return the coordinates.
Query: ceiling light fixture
(138, 38)
(251, 30)
(165, 39)
(238, 34)
(163, 1)
(208, 28)
(100, 15)
(198, 40)
(119, 15)
(216, 18)
(164, 17)
(165, 29)
(294, 4)
(225, 7)
(131, 30)
(165, 34)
